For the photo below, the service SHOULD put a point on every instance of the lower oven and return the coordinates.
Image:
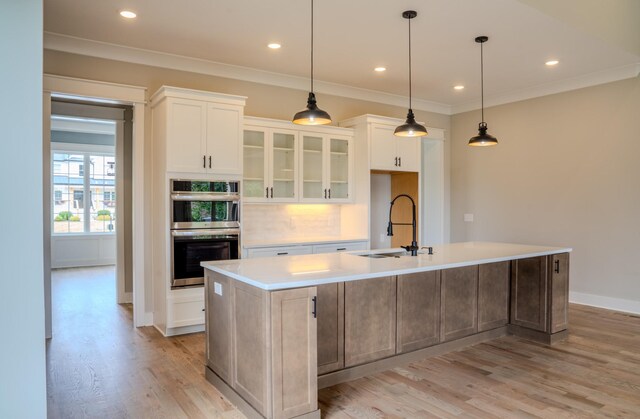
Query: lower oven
(190, 247)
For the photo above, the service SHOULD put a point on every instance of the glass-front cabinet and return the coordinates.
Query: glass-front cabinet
(270, 165)
(326, 168)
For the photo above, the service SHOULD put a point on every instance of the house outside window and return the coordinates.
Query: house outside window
(84, 196)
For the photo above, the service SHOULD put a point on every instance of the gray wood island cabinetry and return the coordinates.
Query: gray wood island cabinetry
(280, 328)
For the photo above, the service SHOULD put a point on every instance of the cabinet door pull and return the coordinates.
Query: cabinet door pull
(329, 193)
(315, 305)
(557, 268)
(266, 192)
(282, 253)
(325, 194)
(340, 249)
(400, 161)
(209, 162)
(204, 162)
(396, 164)
(272, 192)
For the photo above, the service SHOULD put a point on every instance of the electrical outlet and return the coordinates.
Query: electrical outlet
(468, 218)
(217, 288)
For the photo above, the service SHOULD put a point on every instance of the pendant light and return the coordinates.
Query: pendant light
(312, 115)
(410, 128)
(482, 139)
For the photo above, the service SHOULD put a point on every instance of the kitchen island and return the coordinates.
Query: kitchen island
(280, 328)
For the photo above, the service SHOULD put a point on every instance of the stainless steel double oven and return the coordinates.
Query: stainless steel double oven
(205, 225)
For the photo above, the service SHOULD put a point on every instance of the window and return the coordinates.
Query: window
(84, 193)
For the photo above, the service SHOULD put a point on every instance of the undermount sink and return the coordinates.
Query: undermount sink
(385, 255)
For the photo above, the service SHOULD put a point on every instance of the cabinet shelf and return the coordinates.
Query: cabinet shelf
(282, 180)
(312, 180)
(339, 181)
(283, 148)
(312, 151)
(339, 153)
(253, 146)
(253, 179)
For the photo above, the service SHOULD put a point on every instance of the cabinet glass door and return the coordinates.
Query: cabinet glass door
(312, 151)
(283, 160)
(339, 173)
(254, 175)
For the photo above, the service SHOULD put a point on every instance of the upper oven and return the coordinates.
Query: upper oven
(204, 204)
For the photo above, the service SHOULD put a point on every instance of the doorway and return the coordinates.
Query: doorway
(90, 189)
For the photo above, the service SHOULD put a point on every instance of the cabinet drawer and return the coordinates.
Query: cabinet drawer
(185, 311)
(278, 251)
(339, 247)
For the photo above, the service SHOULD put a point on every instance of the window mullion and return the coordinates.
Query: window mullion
(87, 193)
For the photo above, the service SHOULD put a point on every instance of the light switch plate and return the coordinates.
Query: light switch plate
(468, 218)
(217, 288)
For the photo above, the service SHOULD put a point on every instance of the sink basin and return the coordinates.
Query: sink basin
(385, 255)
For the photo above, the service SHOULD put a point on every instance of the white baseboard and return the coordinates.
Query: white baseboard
(618, 304)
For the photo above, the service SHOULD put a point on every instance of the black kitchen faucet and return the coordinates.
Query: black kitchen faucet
(413, 248)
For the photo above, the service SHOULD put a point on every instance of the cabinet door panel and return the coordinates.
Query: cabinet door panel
(313, 171)
(330, 308)
(186, 140)
(493, 295)
(418, 310)
(283, 165)
(559, 288)
(383, 148)
(339, 168)
(408, 154)
(294, 360)
(529, 293)
(255, 173)
(218, 325)
(370, 320)
(223, 139)
(459, 303)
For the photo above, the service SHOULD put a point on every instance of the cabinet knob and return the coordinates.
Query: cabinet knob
(282, 253)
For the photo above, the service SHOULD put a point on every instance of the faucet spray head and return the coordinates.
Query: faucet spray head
(390, 229)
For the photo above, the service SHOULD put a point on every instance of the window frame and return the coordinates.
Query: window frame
(86, 150)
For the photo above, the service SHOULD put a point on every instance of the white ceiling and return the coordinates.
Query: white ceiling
(354, 36)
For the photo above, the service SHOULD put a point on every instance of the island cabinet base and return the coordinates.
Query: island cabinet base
(261, 347)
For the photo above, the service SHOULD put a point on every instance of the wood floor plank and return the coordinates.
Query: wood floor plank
(98, 365)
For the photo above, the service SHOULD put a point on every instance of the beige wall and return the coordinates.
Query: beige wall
(263, 100)
(566, 172)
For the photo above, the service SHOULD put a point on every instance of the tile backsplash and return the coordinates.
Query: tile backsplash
(295, 221)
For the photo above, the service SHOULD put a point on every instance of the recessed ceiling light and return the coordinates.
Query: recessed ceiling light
(128, 14)
(458, 87)
(274, 45)
(380, 69)
(551, 63)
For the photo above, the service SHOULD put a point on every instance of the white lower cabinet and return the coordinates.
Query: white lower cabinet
(305, 249)
(263, 252)
(339, 247)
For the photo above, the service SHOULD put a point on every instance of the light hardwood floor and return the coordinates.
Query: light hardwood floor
(98, 365)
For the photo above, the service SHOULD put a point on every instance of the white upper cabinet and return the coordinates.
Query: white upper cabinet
(389, 152)
(284, 163)
(327, 168)
(202, 130)
(270, 164)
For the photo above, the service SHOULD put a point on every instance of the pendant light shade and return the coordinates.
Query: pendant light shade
(312, 115)
(410, 128)
(482, 139)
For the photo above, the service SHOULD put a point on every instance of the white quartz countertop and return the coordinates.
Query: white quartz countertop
(284, 272)
(308, 240)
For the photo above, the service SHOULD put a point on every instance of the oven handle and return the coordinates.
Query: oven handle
(203, 197)
(206, 232)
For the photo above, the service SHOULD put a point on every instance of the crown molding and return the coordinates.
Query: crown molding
(75, 45)
(565, 85)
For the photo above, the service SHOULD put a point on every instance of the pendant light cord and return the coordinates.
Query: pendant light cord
(311, 46)
(481, 80)
(409, 62)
